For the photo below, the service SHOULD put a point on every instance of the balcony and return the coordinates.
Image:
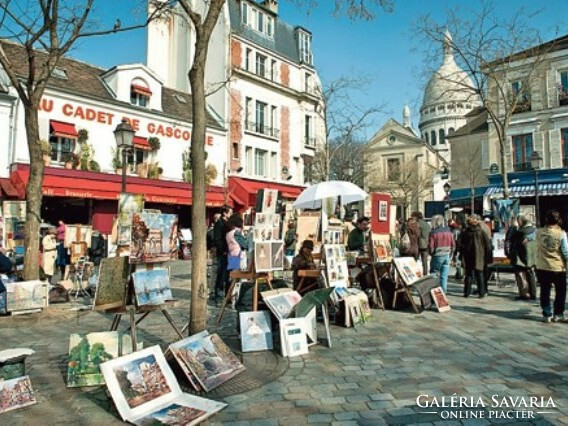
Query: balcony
(522, 167)
(262, 129)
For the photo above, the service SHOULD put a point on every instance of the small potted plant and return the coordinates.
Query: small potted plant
(154, 143)
(46, 152)
(82, 136)
(210, 174)
(94, 166)
(68, 160)
(116, 163)
(142, 170)
(160, 171)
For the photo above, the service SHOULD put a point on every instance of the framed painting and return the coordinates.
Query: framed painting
(209, 359)
(145, 391)
(113, 282)
(154, 237)
(269, 200)
(78, 233)
(256, 331)
(293, 337)
(16, 393)
(152, 287)
(262, 256)
(440, 299)
(26, 295)
(383, 211)
(336, 265)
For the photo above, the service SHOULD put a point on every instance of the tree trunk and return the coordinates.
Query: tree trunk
(472, 200)
(33, 195)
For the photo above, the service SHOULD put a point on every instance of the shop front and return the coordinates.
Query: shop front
(77, 196)
(461, 198)
(244, 191)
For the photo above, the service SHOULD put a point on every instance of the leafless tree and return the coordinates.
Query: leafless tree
(353, 9)
(468, 170)
(344, 122)
(47, 29)
(490, 50)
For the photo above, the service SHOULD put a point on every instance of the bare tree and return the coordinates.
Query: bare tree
(354, 9)
(344, 121)
(47, 29)
(490, 49)
(469, 170)
(407, 182)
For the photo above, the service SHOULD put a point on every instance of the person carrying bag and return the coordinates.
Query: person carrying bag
(237, 244)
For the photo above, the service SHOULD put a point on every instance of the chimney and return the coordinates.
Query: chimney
(271, 5)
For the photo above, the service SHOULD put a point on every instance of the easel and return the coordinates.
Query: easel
(145, 310)
(402, 287)
(373, 262)
(246, 275)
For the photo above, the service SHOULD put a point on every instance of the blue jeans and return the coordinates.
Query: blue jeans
(441, 266)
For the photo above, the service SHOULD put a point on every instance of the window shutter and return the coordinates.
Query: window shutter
(556, 153)
(485, 154)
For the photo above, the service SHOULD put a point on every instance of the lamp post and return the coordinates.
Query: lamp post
(536, 161)
(348, 171)
(124, 136)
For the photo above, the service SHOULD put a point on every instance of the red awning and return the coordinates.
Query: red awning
(142, 143)
(8, 188)
(244, 191)
(63, 130)
(136, 88)
(105, 186)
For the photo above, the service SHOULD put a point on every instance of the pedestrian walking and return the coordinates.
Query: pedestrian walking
(423, 239)
(220, 239)
(237, 244)
(475, 249)
(63, 258)
(441, 246)
(552, 255)
(456, 229)
(522, 254)
(408, 245)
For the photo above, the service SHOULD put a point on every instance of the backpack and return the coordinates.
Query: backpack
(404, 245)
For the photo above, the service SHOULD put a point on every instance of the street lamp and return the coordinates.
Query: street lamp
(536, 161)
(348, 170)
(447, 188)
(124, 136)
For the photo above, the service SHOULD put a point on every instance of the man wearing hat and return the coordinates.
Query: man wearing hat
(304, 261)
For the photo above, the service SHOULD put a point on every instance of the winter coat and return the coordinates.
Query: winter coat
(413, 232)
(220, 236)
(475, 248)
(49, 254)
(424, 234)
(236, 242)
(523, 246)
(441, 242)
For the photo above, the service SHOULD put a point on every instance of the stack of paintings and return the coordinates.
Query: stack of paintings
(356, 308)
(281, 302)
(154, 237)
(16, 393)
(88, 351)
(152, 287)
(208, 358)
(146, 392)
(256, 331)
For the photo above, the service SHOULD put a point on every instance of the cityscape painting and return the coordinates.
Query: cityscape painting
(153, 237)
(16, 393)
(152, 287)
(172, 415)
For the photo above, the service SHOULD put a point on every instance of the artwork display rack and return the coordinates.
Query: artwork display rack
(132, 309)
(400, 287)
(246, 275)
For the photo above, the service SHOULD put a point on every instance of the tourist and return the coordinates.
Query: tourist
(49, 253)
(422, 239)
(237, 244)
(290, 238)
(522, 253)
(220, 239)
(455, 228)
(62, 255)
(441, 246)
(358, 235)
(552, 255)
(408, 245)
(475, 249)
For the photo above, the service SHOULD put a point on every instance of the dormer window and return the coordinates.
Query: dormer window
(59, 73)
(305, 41)
(140, 93)
(257, 19)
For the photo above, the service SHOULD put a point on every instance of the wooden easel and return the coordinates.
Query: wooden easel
(376, 279)
(145, 310)
(402, 287)
(247, 275)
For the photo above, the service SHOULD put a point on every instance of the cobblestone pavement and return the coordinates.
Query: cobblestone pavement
(372, 375)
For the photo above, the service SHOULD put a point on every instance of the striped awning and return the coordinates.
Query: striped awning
(519, 191)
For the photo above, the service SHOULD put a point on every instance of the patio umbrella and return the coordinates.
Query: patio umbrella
(311, 198)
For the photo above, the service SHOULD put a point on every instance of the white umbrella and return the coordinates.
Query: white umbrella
(311, 198)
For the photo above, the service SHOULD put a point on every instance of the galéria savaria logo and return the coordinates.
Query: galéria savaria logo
(479, 407)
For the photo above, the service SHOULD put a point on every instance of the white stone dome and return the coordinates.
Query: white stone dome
(449, 83)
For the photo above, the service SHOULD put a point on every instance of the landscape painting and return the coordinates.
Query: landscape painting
(153, 238)
(16, 393)
(26, 295)
(152, 287)
(112, 285)
(256, 331)
(128, 204)
(209, 359)
(141, 380)
(88, 351)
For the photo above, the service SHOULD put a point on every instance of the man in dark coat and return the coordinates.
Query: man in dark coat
(475, 249)
(220, 241)
(523, 257)
(423, 239)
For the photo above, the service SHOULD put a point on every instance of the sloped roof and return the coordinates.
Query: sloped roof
(85, 80)
(477, 124)
(394, 126)
(284, 42)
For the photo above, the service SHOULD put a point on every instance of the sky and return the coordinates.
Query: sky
(383, 50)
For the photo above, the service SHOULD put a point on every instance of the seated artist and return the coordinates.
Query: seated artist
(304, 261)
(358, 236)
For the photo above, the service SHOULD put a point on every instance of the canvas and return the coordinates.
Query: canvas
(499, 245)
(382, 248)
(16, 393)
(145, 391)
(152, 287)
(262, 255)
(154, 238)
(256, 331)
(78, 233)
(409, 270)
(269, 200)
(293, 337)
(440, 299)
(88, 351)
(383, 211)
(281, 302)
(186, 371)
(26, 295)
(124, 235)
(307, 228)
(112, 285)
(128, 204)
(209, 359)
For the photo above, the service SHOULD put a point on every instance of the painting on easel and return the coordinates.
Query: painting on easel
(152, 287)
(112, 285)
(154, 237)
